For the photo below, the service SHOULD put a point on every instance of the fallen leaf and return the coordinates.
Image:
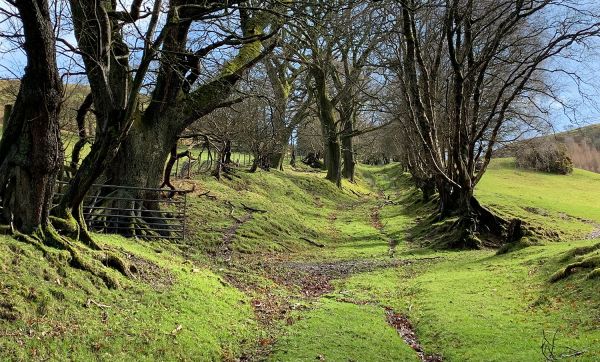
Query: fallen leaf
(177, 329)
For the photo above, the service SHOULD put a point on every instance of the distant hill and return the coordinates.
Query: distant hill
(583, 146)
(74, 95)
(8, 93)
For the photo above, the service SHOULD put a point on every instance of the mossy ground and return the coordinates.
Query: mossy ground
(218, 295)
(61, 313)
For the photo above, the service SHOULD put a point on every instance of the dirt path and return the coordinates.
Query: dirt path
(405, 329)
(224, 253)
(314, 279)
(301, 283)
(377, 224)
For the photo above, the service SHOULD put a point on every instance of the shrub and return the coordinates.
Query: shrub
(544, 156)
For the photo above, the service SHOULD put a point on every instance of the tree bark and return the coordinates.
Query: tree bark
(86, 105)
(331, 139)
(31, 150)
(281, 147)
(348, 150)
(333, 161)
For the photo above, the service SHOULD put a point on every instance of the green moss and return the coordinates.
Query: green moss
(135, 321)
(247, 53)
(586, 263)
(594, 274)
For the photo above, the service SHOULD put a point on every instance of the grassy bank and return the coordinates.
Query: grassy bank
(174, 310)
(285, 267)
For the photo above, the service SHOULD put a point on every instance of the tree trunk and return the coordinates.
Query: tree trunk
(227, 152)
(139, 164)
(293, 158)
(141, 159)
(281, 148)
(473, 219)
(30, 150)
(331, 139)
(349, 161)
(86, 105)
(426, 185)
(333, 160)
(102, 152)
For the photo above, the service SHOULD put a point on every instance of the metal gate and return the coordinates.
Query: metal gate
(156, 214)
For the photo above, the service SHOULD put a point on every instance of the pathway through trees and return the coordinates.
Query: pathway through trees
(303, 279)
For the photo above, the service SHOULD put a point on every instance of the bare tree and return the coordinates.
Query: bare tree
(115, 92)
(184, 89)
(335, 41)
(468, 69)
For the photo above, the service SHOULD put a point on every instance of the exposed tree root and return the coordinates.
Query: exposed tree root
(580, 251)
(113, 261)
(30, 240)
(592, 262)
(91, 261)
(473, 227)
(75, 228)
(512, 247)
(587, 257)
(594, 274)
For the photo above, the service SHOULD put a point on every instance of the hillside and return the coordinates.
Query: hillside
(275, 263)
(582, 144)
(73, 96)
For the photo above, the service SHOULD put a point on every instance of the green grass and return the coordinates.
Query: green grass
(474, 306)
(466, 306)
(550, 202)
(337, 331)
(571, 194)
(296, 204)
(141, 319)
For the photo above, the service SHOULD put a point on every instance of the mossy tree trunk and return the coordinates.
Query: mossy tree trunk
(347, 114)
(30, 150)
(329, 125)
(174, 106)
(349, 159)
(105, 58)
